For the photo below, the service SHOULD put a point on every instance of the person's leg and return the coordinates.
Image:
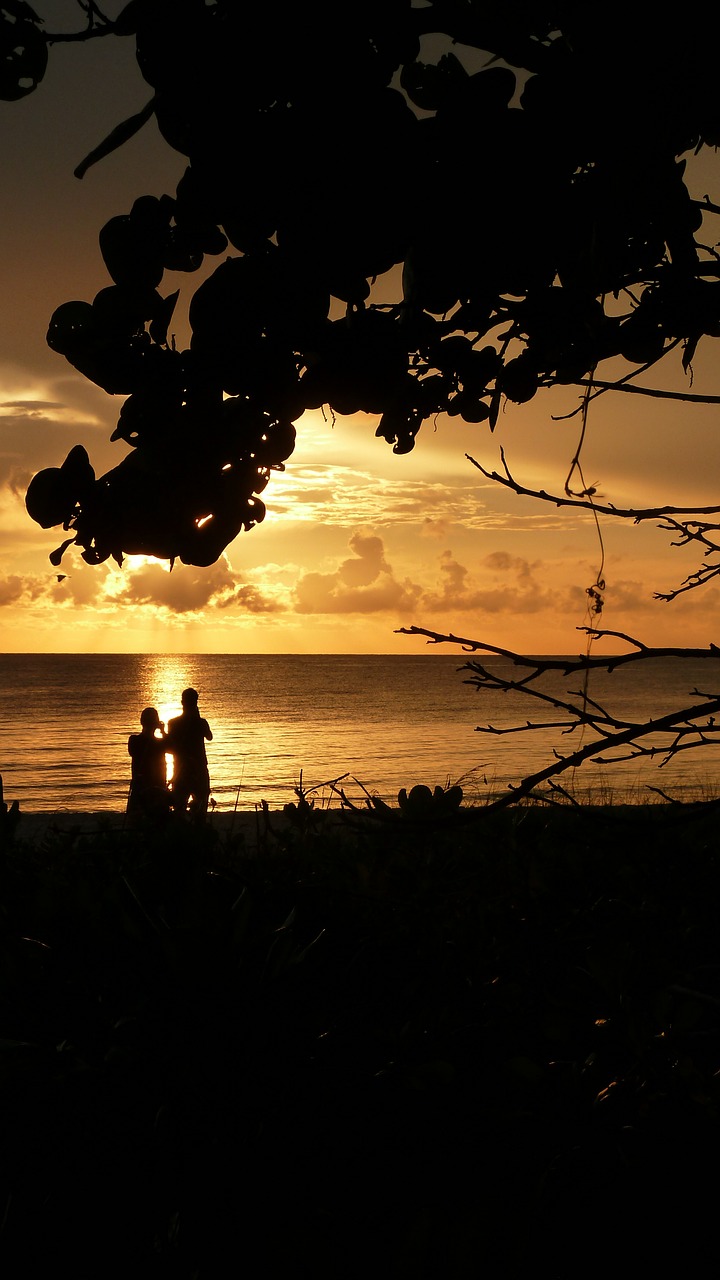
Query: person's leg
(179, 795)
(200, 796)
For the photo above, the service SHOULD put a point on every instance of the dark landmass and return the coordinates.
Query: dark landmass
(360, 1046)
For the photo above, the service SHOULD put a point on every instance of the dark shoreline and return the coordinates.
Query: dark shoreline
(35, 825)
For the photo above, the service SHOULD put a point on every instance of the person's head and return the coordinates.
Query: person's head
(149, 718)
(189, 699)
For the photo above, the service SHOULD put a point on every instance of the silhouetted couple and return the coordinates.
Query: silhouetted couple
(185, 741)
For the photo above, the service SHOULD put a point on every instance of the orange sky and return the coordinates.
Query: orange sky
(357, 542)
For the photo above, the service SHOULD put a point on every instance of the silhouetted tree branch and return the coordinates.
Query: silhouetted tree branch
(626, 513)
(567, 666)
(629, 388)
(691, 531)
(117, 137)
(614, 739)
(487, 304)
(688, 531)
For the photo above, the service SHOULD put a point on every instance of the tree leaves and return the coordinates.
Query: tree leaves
(489, 232)
(23, 51)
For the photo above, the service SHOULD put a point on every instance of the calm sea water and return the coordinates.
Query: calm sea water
(386, 722)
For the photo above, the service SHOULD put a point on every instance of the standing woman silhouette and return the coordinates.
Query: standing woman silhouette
(148, 795)
(186, 738)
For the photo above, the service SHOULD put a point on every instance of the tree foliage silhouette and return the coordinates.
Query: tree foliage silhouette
(528, 221)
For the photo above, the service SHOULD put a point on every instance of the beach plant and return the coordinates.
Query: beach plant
(420, 802)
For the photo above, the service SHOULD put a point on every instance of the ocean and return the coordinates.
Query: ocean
(369, 724)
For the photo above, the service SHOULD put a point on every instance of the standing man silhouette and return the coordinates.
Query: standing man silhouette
(186, 738)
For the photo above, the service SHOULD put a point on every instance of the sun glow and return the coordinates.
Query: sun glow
(140, 561)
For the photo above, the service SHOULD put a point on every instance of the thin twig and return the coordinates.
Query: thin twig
(627, 513)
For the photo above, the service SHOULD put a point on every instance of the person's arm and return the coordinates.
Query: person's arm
(207, 731)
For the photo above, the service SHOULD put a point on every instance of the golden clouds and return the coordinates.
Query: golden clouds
(363, 583)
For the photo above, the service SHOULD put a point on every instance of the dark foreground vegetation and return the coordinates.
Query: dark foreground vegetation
(375, 1047)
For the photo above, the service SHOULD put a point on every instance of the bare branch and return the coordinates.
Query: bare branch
(707, 205)
(583, 662)
(620, 384)
(687, 530)
(625, 513)
(592, 750)
(693, 531)
(629, 388)
(647, 651)
(97, 25)
(698, 579)
(531, 725)
(654, 392)
(117, 138)
(615, 739)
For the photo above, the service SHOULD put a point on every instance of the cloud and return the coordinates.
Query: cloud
(12, 589)
(454, 575)
(85, 587)
(32, 408)
(364, 583)
(50, 589)
(185, 589)
(86, 402)
(188, 589)
(367, 583)
(345, 496)
(520, 592)
(513, 586)
(107, 591)
(38, 431)
(434, 527)
(626, 595)
(369, 561)
(251, 599)
(502, 562)
(16, 477)
(29, 442)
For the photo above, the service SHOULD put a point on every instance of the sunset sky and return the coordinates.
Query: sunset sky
(357, 542)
